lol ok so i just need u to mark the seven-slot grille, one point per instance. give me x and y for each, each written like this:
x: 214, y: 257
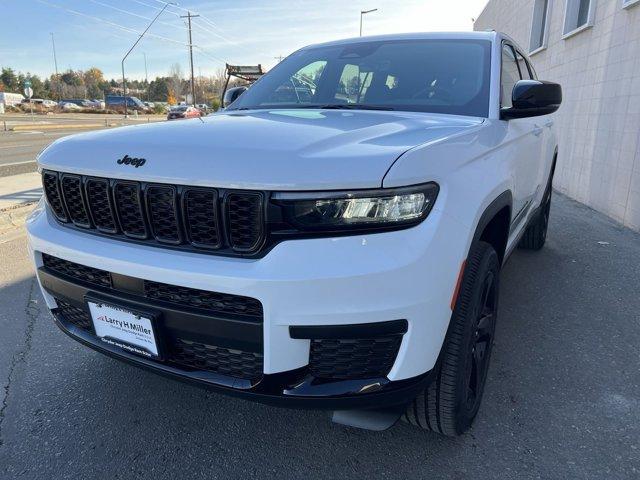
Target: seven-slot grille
x: 182, y: 216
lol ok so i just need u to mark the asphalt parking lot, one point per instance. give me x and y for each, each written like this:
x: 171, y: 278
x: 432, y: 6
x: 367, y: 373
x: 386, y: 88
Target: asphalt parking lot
x: 562, y: 399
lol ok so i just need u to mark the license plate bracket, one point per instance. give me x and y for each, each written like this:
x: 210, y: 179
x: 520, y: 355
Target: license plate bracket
x: 131, y: 329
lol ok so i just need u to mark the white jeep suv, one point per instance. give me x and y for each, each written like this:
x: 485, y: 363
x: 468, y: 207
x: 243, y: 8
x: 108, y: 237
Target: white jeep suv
x: 332, y: 240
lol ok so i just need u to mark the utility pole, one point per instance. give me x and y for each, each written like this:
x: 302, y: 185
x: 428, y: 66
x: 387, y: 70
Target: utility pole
x: 55, y: 62
x: 279, y: 58
x: 364, y: 12
x: 124, y: 80
x: 146, y: 75
x: 189, y: 16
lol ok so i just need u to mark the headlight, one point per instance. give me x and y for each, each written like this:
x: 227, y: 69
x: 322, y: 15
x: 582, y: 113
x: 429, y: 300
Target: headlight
x: 358, y: 209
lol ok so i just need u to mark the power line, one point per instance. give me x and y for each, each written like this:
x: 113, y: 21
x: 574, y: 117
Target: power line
x: 217, y: 59
x: 207, y: 21
x: 204, y: 53
x: 107, y: 22
x: 127, y: 12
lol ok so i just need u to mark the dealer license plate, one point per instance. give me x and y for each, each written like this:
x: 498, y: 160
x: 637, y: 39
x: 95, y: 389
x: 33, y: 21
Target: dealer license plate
x: 122, y: 328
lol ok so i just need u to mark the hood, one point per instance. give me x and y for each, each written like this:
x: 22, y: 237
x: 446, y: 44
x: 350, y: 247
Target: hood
x: 259, y: 149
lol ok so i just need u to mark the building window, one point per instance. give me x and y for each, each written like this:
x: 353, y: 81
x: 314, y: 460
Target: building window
x: 578, y: 16
x: 629, y: 3
x: 540, y: 25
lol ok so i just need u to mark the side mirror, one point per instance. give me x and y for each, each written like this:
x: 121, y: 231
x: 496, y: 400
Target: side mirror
x: 232, y: 95
x: 532, y: 98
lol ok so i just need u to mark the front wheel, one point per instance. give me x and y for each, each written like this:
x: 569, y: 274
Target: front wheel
x: 451, y: 401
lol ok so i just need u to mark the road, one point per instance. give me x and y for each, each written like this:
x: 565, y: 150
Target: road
x: 562, y: 398
x: 18, y: 149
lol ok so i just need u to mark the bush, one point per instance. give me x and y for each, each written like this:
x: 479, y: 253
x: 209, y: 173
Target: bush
x: 215, y: 104
x: 158, y: 109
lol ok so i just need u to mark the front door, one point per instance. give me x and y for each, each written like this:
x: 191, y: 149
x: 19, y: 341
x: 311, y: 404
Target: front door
x: 523, y: 140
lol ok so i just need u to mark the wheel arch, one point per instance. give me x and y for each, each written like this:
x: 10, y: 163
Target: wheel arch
x: 493, y: 225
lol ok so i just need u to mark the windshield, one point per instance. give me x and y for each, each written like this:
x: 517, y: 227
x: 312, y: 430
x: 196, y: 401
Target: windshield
x: 430, y: 75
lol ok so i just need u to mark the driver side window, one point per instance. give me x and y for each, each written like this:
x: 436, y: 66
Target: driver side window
x: 510, y: 75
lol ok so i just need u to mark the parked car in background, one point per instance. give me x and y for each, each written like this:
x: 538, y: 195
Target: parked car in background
x: 183, y: 111
x: 117, y: 102
x: 39, y: 104
x: 80, y: 102
x: 231, y: 95
x: 97, y: 103
x: 69, y: 106
x: 150, y: 105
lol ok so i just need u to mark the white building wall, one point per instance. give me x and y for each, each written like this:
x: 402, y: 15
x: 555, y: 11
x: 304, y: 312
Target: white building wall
x: 599, y: 120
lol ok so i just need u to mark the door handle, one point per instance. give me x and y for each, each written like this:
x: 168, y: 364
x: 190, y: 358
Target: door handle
x: 537, y: 131
x: 549, y: 124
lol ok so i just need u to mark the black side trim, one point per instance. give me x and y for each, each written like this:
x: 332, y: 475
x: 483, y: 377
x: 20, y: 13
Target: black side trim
x: 352, y: 331
x: 520, y: 215
x: 505, y: 199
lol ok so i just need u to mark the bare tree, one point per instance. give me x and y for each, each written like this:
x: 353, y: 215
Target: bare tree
x: 176, y: 80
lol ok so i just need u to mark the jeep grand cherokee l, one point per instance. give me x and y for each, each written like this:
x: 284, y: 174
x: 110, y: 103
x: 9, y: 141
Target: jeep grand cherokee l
x: 332, y: 240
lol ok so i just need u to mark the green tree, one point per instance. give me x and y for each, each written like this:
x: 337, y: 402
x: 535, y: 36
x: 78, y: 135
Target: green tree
x: 10, y: 80
x: 159, y: 89
x: 39, y: 90
x: 94, y: 81
x: 72, y: 78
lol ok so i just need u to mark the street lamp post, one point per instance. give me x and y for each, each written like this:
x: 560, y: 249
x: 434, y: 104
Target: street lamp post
x: 55, y: 63
x: 146, y: 75
x: 364, y: 12
x: 124, y: 81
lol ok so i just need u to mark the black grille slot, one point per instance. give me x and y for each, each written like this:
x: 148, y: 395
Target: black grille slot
x: 100, y: 205
x: 77, y: 316
x: 225, y: 361
x: 129, y: 207
x: 245, y: 219
x: 76, y: 271
x: 344, y: 359
x: 213, y: 302
x: 163, y: 214
x: 229, y: 222
x: 201, y: 217
x: 74, y: 200
x: 51, y: 189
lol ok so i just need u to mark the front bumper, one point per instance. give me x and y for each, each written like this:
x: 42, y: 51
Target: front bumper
x: 359, y: 280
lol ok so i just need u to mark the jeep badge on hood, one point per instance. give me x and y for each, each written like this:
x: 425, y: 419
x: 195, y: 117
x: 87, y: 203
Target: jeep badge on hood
x: 127, y: 160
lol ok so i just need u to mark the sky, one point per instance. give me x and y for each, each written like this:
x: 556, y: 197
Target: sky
x: 244, y: 32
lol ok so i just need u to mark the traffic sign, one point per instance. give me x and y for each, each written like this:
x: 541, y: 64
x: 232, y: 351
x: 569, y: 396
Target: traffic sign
x: 28, y: 92
x: 27, y: 83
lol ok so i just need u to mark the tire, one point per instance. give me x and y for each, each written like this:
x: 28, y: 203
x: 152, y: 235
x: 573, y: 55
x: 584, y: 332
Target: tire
x: 450, y: 403
x: 535, y: 235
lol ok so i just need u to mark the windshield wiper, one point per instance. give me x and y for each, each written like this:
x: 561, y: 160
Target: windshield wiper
x: 347, y: 106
